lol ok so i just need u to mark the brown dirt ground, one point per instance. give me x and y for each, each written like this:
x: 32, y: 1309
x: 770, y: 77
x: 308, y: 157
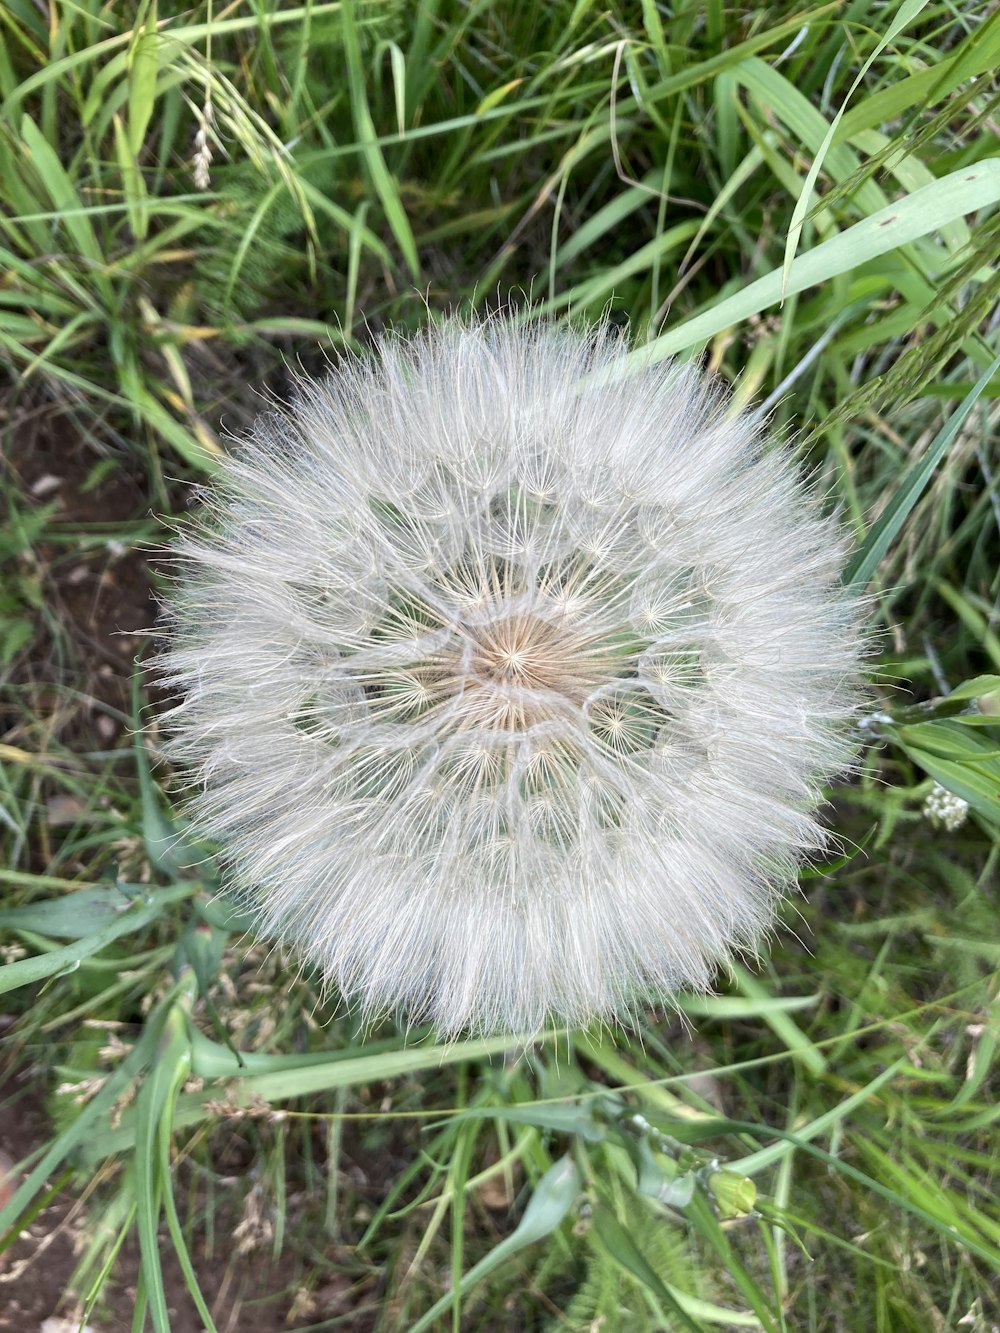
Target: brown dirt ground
x: 97, y: 599
x: 245, y: 1293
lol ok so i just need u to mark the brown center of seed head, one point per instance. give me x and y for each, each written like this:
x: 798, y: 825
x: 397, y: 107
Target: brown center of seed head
x: 524, y: 670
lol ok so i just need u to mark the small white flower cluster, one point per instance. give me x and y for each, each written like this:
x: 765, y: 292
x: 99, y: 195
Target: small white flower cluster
x: 944, y: 809
x: 512, y: 679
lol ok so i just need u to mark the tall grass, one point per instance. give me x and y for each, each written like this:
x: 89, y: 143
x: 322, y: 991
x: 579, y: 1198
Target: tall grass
x: 191, y: 200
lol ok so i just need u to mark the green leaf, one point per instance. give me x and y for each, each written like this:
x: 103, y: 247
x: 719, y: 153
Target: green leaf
x: 959, y: 759
x: 769, y: 36
x: 143, y: 67
x: 67, y: 959
x: 134, y: 185
x: 760, y: 1005
x: 976, y: 688
x: 277, y: 1078
x: 323, y: 1074
x: 657, y: 1175
x: 73, y: 916
x: 62, y: 192
x: 779, y: 96
x: 182, y: 35
x: 552, y: 1199
x: 15, y: 633
x: 915, y: 215
x: 783, y: 1027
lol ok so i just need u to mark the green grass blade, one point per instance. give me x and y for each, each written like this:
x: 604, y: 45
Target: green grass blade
x: 905, y: 15
x: 864, y: 564
x: 63, y: 194
x: 551, y: 1200
x: 918, y: 214
x: 27, y: 970
x: 154, y: 1111
x: 385, y: 186
x: 978, y: 54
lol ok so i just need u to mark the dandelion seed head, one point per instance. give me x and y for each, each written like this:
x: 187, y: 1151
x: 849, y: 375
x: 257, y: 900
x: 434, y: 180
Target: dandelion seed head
x: 509, y: 682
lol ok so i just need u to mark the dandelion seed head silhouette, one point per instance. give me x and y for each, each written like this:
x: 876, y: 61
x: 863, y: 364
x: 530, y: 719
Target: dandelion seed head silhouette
x: 509, y: 681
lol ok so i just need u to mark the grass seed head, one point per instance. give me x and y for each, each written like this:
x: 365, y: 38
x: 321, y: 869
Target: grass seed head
x: 510, y: 681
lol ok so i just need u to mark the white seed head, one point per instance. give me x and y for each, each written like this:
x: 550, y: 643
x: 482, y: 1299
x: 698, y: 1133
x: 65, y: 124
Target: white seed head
x: 510, y: 682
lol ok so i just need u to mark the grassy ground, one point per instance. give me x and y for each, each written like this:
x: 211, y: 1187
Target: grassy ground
x: 192, y: 200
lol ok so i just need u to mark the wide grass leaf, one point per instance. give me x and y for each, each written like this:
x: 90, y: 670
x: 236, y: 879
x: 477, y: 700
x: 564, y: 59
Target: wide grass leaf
x: 918, y: 214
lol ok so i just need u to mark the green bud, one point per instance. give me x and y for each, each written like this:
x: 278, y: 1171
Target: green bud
x: 734, y: 1195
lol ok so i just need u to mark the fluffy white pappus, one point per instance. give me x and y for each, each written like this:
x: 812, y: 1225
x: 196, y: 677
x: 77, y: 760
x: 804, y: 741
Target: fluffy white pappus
x: 510, y: 680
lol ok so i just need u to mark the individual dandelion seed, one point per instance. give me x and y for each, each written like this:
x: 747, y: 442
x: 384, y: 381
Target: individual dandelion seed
x: 510, y: 681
